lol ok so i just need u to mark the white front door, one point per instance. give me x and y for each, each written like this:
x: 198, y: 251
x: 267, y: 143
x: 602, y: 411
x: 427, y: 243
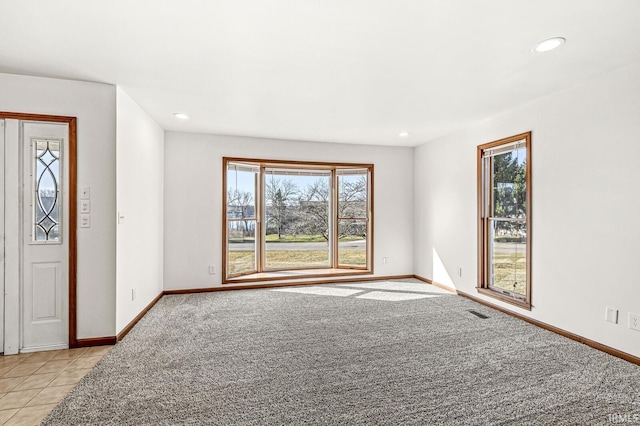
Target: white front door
x: 37, y: 236
x: 45, y: 289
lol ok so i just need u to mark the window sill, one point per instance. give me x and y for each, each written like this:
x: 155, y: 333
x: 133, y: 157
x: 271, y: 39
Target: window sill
x: 504, y: 298
x: 297, y: 274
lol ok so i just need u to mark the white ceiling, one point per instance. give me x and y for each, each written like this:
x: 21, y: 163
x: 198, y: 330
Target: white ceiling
x: 354, y: 71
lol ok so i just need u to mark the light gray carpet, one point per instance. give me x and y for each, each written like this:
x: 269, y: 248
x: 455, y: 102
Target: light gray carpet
x: 263, y: 357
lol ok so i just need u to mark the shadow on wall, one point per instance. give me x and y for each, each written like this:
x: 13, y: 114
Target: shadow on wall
x: 440, y: 274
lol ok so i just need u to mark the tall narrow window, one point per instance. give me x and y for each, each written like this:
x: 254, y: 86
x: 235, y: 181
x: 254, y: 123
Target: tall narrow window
x: 293, y: 219
x: 353, y: 217
x: 504, y: 194
x: 242, y: 219
x: 47, y: 195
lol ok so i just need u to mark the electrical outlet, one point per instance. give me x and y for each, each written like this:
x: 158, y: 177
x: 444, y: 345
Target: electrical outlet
x: 611, y: 315
x: 384, y: 260
x: 460, y: 271
x: 133, y: 294
x: 634, y: 321
x: 212, y: 269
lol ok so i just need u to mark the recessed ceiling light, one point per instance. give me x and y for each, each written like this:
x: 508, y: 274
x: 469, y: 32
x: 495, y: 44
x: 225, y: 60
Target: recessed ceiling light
x: 180, y: 115
x: 548, y: 44
x: 403, y: 134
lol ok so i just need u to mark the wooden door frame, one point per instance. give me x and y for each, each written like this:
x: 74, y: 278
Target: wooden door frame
x: 73, y: 187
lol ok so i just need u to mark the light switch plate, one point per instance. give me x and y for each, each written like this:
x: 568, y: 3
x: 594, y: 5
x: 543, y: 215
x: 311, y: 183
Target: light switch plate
x: 85, y: 194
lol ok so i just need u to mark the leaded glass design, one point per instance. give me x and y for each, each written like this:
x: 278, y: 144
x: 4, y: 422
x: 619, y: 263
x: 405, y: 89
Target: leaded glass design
x: 47, y: 187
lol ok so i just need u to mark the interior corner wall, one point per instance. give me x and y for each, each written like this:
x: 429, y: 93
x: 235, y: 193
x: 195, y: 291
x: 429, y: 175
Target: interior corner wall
x: 193, y: 200
x: 140, y: 175
x: 94, y: 105
x: 585, y: 183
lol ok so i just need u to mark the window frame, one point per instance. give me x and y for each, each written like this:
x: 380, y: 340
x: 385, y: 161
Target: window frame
x: 338, y: 218
x: 262, y: 272
x: 266, y: 170
x: 256, y: 218
x: 484, y: 252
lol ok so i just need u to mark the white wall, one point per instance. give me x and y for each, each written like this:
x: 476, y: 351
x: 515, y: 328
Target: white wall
x: 585, y: 186
x: 95, y: 107
x: 193, y: 200
x: 140, y: 171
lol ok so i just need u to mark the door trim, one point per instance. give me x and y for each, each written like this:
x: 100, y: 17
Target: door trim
x: 73, y: 188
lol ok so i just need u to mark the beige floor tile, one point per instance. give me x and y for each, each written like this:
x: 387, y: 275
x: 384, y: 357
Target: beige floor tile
x: 36, y: 381
x: 7, y: 414
x: 51, y: 395
x: 17, y: 399
x: 69, y: 353
x: 7, y: 385
x: 30, y: 416
x: 5, y: 368
x: 84, y: 362
x: 97, y: 351
x: 9, y: 361
x: 25, y: 356
x: 41, y: 356
x: 32, y: 384
x: 69, y: 377
x: 54, y: 366
x: 23, y: 369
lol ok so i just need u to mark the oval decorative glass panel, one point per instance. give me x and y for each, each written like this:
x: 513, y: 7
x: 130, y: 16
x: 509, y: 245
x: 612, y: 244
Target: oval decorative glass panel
x: 46, y: 203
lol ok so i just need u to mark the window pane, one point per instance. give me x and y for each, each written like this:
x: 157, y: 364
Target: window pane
x: 241, y: 186
x: 352, y: 194
x: 46, y: 190
x: 510, y: 184
x: 297, y: 206
x: 352, y: 243
x: 508, y: 256
x: 241, y: 240
x: 241, y: 218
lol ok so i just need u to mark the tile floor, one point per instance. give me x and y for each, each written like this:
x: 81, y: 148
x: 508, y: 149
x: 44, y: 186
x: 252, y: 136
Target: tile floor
x: 31, y: 385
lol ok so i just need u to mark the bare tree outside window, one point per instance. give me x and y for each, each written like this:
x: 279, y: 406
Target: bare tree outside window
x: 281, y: 197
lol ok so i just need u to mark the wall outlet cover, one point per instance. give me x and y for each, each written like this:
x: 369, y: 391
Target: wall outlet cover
x: 634, y: 321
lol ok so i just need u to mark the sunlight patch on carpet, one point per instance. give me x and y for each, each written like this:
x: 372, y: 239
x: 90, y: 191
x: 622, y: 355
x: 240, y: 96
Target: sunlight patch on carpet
x: 393, y: 297
x: 397, y: 286
x: 321, y: 291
